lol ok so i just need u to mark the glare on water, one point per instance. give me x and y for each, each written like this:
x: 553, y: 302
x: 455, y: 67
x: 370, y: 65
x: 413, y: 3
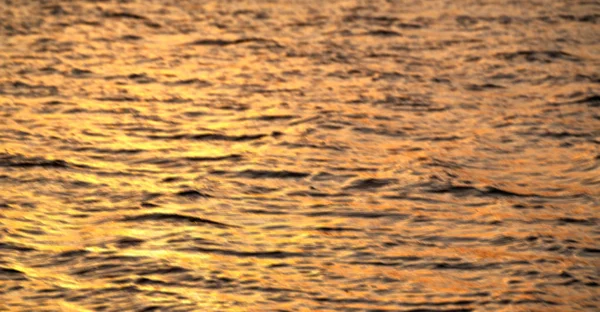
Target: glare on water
x: 299, y: 155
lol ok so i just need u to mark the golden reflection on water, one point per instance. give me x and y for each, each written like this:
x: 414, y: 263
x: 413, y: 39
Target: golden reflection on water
x: 299, y: 156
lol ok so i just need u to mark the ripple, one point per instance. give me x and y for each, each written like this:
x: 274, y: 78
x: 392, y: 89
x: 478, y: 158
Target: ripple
x: 270, y: 174
x: 210, y: 137
x: 19, y: 161
x: 173, y: 217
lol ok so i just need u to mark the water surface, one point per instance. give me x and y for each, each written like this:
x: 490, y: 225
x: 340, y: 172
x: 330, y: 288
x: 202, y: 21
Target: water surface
x: 299, y: 155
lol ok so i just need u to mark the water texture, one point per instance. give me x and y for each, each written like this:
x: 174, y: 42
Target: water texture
x: 300, y: 155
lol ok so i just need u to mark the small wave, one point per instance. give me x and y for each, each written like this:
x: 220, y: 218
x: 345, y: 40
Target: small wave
x: 369, y: 184
x: 9, y: 246
x: 192, y: 194
x: 272, y: 174
x: 539, y: 56
x: 7, y: 160
x: 223, y: 42
x: 11, y: 274
x: 173, y: 217
x: 111, y: 14
x: 188, y: 82
x: 276, y: 254
x: 232, y: 157
x: 21, y: 89
x: 383, y: 33
x: 210, y: 137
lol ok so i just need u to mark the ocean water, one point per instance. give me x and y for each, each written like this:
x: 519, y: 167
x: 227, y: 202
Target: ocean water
x: 300, y: 155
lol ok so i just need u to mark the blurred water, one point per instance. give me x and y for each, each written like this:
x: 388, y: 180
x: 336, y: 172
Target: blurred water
x: 299, y: 155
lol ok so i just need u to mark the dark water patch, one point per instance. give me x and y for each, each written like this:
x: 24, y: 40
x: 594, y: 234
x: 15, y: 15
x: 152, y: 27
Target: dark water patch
x: 447, y: 239
x: 131, y: 37
x: 73, y: 253
x: 271, y: 117
x: 385, y: 132
x: 383, y: 33
x: 152, y: 24
x: 163, y: 270
x: 537, y: 301
x: 377, y: 263
x: 194, y: 114
x: 141, y: 78
x: 119, y: 98
x: 22, y: 89
x: 13, y: 247
x: 466, y: 21
x: 173, y: 217
x: 264, y: 212
x: 438, y: 138
x: 171, y: 179
x: 370, y: 184
x: 483, y: 87
x: 275, y: 290
x: 19, y: 161
x: 503, y: 240
x: 223, y: 42
x: 454, y: 189
x: 104, y: 111
x: 109, y: 151
x: 11, y: 274
x: 592, y: 100
x: 440, y: 303
x: 370, y: 19
x: 590, y: 252
x: 402, y: 103
x: 489, y: 191
x: 232, y: 157
x: 494, y: 191
x: 151, y: 308
x: 326, y: 176
x: 438, y: 310
x: 586, y: 18
x: 563, y: 134
x: 192, y: 194
x: 129, y: 242
x: 305, y: 120
x: 87, y: 22
x: 539, y: 56
x: 189, y: 82
x: 276, y: 254
x: 337, y: 229
x: 262, y: 90
x: 272, y: 174
x: 314, y: 194
x: 125, y: 15
x: 78, y: 72
x: 587, y: 78
x: 389, y: 76
x: 409, y: 25
x: 342, y: 300
x: 256, y: 189
x: 571, y: 220
x: 160, y: 161
x: 210, y: 137
x: 149, y: 281
x: 357, y: 214
x: 466, y: 266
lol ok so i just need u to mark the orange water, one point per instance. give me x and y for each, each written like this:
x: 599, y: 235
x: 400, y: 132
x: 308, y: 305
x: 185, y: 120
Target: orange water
x: 299, y: 155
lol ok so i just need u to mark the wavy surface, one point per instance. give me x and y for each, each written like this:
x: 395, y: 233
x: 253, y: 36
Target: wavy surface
x: 299, y: 155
